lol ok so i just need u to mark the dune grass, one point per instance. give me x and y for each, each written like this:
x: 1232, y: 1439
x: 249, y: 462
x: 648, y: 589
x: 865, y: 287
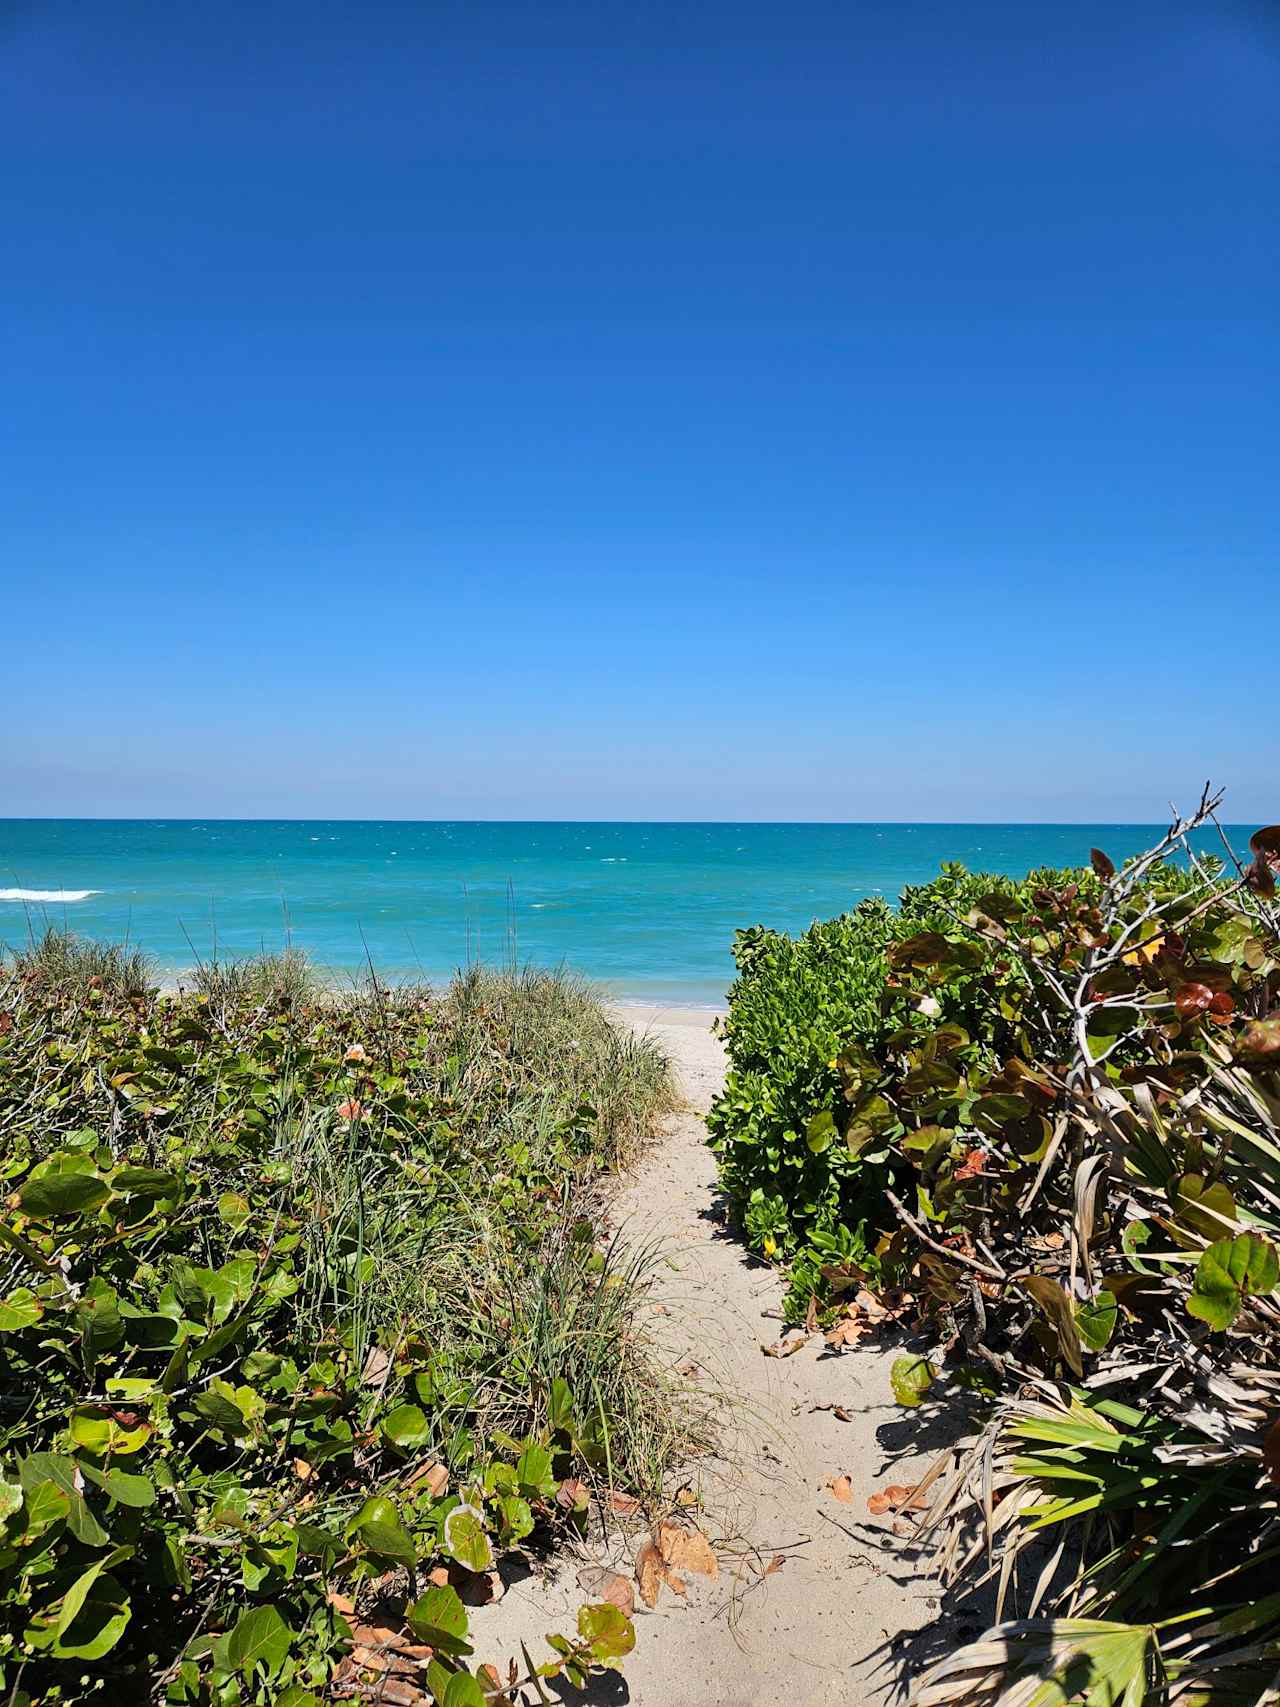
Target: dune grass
x: 384, y: 1198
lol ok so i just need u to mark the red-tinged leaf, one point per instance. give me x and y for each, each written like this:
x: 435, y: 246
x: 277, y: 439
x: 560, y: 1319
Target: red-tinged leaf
x: 1222, y: 1004
x: 601, y: 1583
x: 1260, y: 877
x: 572, y: 1494
x: 1193, y: 999
x: 1261, y: 1036
x: 1104, y: 867
x: 895, y: 1498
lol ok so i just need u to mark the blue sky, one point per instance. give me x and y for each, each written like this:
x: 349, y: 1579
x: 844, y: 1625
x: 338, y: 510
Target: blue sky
x: 829, y: 410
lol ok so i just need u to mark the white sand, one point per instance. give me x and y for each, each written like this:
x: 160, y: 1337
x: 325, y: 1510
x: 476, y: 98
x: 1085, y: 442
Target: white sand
x: 815, y: 1630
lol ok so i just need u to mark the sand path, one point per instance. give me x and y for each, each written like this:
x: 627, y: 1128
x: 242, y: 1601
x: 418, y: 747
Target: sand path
x: 814, y: 1630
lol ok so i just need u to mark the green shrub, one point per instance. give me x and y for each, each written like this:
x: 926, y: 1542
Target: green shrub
x: 808, y: 1017
x: 300, y: 1299
x: 1061, y: 1102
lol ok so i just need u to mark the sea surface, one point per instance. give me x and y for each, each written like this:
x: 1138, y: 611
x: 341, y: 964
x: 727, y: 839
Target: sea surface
x: 647, y: 910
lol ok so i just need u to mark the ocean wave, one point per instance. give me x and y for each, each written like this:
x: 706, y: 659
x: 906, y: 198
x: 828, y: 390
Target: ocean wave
x: 47, y: 894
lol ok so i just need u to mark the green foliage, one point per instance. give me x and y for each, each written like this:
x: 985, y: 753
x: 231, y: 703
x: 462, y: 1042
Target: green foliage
x: 295, y: 1291
x: 804, y: 1130
x: 1048, y: 1112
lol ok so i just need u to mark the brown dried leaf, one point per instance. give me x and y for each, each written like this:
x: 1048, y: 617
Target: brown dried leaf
x: 842, y: 1488
x: 377, y: 1636
x: 651, y: 1570
x: 603, y: 1584
x: 342, y: 1603
x: 895, y: 1498
x: 626, y: 1505
x: 785, y: 1348
x: 848, y: 1330
x: 376, y: 1366
x: 687, y: 1550
x: 775, y: 1564
x: 435, y: 1476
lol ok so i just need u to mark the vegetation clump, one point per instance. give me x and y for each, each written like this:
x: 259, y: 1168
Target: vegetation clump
x: 1044, y: 1139
x: 305, y: 1322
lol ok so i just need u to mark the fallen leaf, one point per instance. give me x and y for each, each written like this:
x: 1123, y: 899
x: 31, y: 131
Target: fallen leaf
x: 842, y: 1488
x: 375, y: 1365
x: 848, y: 1331
x: 895, y: 1498
x: 603, y: 1584
x: 626, y: 1505
x: 651, y: 1569
x: 837, y: 1411
x: 435, y: 1476
x: 784, y: 1348
x: 687, y: 1550
x: 439, y: 1577
x: 376, y: 1636
x: 302, y: 1470
x: 342, y: 1603
x: 775, y: 1564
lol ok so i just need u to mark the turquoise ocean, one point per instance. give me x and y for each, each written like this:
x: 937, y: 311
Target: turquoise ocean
x: 647, y: 910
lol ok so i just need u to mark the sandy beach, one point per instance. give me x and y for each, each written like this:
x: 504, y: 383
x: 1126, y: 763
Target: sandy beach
x: 815, y: 1629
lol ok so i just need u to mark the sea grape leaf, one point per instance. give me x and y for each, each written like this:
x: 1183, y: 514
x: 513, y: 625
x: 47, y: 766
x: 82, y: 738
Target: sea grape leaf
x: 377, y: 1525
x: 95, y: 1612
x: 1096, y: 1320
x: 1228, y: 1272
x: 51, y: 1470
x: 101, y: 1324
x: 439, y: 1619
x: 991, y: 1112
x: 820, y: 1131
x: 1057, y: 1306
x: 21, y: 1309
x: 64, y: 1184
x: 465, y: 1539
x: 406, y: 1425
x: 533, y: 1470
x: 463, y: 1690
x: 608, y: 1629
x: 911, y: 1378
x: 136, y: 1491
x: 145, y: 1182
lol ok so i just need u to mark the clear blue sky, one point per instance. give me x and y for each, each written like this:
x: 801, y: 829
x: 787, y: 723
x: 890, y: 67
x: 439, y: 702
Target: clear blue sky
x: 820, y: 410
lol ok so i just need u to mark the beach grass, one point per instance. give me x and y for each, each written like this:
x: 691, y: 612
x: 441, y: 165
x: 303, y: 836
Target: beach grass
x: 233, y: 1195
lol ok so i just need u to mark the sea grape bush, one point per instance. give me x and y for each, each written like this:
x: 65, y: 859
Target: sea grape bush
x: 802, y: 1130
x: 254, y: 1365
x: 1055, y: 1111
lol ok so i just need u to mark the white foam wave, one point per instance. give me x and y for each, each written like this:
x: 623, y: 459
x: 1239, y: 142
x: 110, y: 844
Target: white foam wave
x: 47, y: 894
